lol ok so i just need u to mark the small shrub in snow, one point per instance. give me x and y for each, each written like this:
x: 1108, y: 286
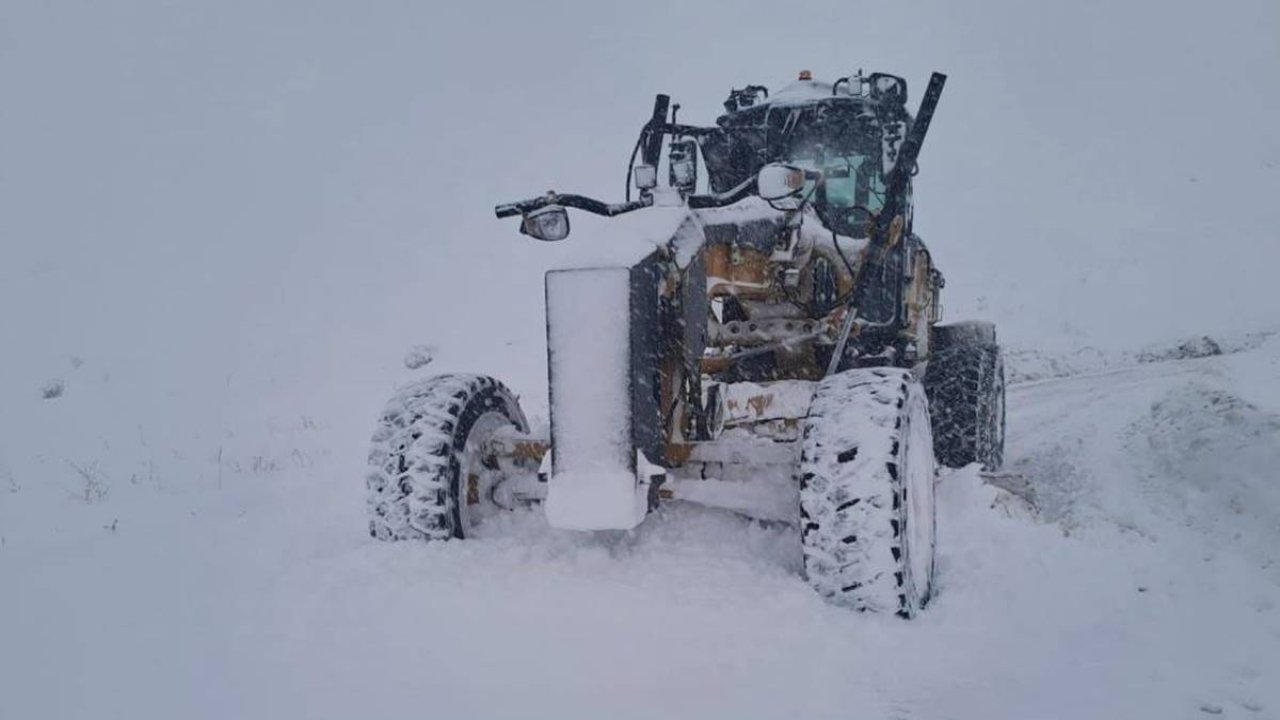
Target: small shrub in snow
x: 52, y: 389
x: 419, y: 356
x: 1203, y: 346
x: 95, y: 488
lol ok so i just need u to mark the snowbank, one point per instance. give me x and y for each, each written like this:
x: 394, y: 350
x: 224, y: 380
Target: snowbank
x: 1031, y: 364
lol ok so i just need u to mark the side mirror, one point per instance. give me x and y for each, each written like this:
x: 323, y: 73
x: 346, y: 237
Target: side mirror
x: 777, y: 181
x: 646, y: 177
x: 889, y: 87
x: 548, y: 224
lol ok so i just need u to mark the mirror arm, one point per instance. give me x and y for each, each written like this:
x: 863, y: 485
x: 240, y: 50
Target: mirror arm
x: 732, y: 195
x: 694, y: 131
x: 580, y: 202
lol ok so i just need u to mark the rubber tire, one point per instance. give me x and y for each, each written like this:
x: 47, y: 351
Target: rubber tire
x: 857, y: 518
x: 414, y: 478
x: 968, y: 332
x: 966, y: 397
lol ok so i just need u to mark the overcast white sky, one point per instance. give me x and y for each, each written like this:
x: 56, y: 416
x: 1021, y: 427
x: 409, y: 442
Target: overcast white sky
x: 296, y: 191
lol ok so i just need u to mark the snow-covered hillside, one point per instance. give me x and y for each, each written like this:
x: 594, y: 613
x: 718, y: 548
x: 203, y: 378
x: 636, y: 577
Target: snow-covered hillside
x: 1148, y: 587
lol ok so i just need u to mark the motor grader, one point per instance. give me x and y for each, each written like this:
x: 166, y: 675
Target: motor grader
x: 763, y: 339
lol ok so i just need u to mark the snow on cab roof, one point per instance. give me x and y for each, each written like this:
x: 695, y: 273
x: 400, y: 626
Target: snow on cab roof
x: 806, y: 90
x: 802, y: 91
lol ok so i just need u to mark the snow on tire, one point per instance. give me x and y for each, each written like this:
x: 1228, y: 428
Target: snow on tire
x: 420, y: 484
x: 866, y: 498
x: 966, y: 397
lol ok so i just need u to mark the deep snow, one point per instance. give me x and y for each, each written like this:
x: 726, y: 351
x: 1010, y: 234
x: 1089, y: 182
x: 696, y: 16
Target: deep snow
x: 223, y: 224
x: 1148, y: 587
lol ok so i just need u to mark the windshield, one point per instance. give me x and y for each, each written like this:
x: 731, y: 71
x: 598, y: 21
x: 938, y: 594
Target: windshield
x: 844, y: 141
x: 847, y: 203
x: 838, y: 136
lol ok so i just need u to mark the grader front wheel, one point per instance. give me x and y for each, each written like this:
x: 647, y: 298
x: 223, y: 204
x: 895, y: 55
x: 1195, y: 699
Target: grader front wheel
x: 426, y: 480
x: 866, y: 499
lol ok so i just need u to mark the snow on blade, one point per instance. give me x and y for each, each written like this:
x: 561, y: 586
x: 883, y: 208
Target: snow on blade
x: 593, y: 484
x: 623, y: 240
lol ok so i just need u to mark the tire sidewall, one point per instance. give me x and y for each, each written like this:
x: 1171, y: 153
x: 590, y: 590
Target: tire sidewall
x: 487, y: 401
x: 918, y: 429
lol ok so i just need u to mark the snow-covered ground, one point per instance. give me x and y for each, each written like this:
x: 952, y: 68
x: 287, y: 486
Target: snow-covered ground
x: 223, y: 223
x: 236, y: 580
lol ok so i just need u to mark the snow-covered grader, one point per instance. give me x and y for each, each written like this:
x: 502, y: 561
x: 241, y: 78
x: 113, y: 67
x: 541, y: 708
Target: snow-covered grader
x: 763, y: 340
